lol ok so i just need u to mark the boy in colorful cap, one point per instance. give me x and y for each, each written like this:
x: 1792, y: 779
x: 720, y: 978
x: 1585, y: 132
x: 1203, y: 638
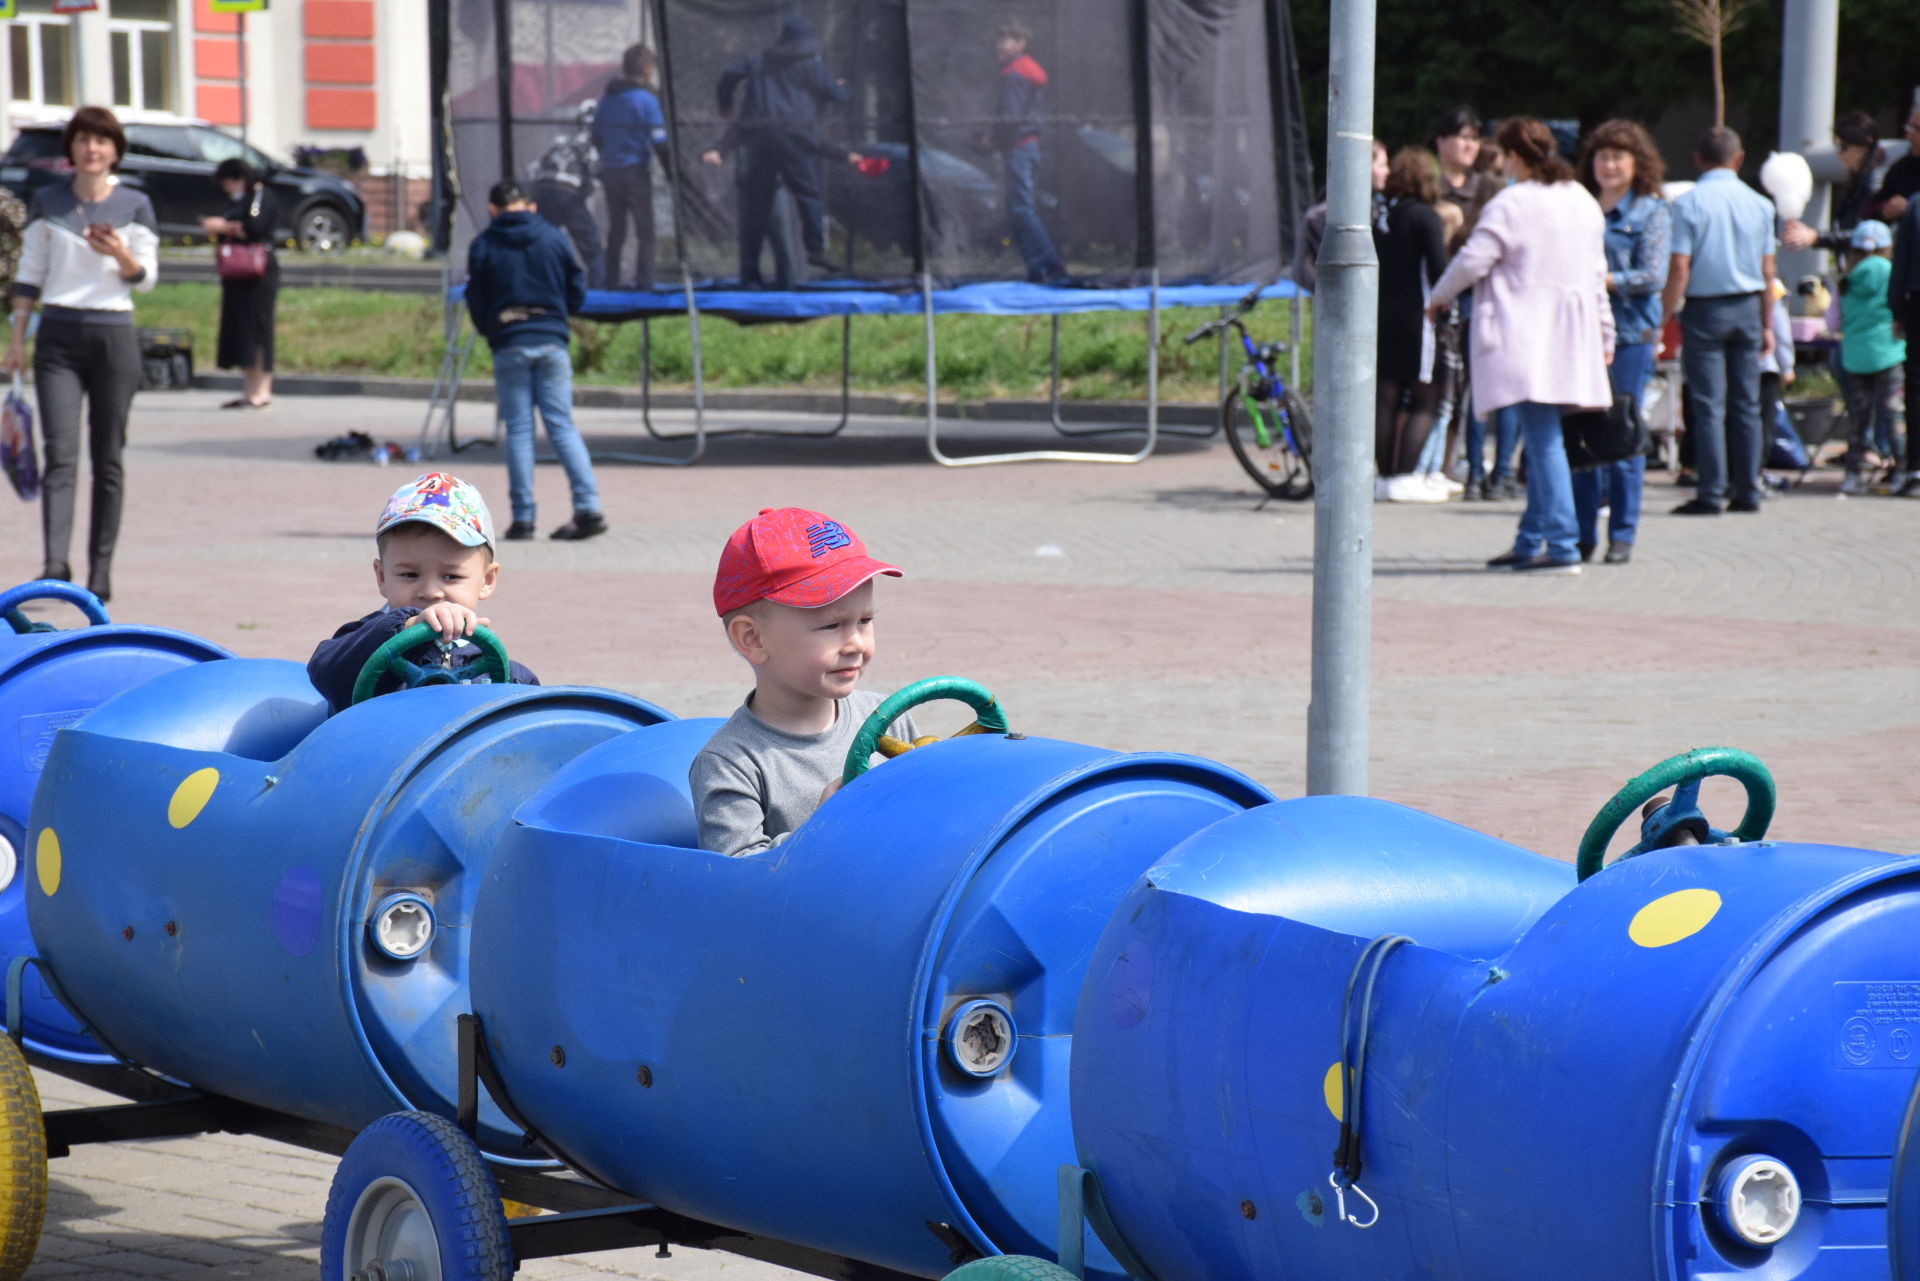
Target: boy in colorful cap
x: 435, y: 566
x: 795, y: 593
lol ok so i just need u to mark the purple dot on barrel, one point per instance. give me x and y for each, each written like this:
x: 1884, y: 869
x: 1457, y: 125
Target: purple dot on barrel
x: 296, y: 910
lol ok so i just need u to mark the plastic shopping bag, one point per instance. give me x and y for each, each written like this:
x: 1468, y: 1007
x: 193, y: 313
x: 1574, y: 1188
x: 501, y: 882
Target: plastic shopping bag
x: 18, y: 457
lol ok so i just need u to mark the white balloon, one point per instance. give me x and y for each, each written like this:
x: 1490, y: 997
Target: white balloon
x: 1789, y: 181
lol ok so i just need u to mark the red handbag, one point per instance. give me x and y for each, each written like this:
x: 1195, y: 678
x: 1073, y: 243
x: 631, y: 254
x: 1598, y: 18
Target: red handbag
x: 242, y: 259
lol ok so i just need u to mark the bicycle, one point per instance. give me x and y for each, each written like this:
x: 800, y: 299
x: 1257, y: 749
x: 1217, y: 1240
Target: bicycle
x: 1267, y: 425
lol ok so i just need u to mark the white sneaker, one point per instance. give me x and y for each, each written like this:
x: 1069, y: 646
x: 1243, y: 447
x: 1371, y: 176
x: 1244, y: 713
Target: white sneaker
x: 1854, y: 483
x: 1411, y: 489
x: 1443, y: 484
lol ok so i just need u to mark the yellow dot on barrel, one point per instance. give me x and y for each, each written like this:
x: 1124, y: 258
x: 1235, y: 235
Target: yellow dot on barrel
x: 195, y: 790
x: 1673, y: 917
x: 46, y: 861
x: 1330, y: 1087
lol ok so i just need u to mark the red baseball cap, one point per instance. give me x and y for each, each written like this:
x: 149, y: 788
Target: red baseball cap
x: 795, y: 557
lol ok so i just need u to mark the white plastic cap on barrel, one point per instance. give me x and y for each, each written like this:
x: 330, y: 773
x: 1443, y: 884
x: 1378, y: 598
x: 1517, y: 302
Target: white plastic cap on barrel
x: 1759, y: 1199
x: 9, y: 861
x: 402, y: 926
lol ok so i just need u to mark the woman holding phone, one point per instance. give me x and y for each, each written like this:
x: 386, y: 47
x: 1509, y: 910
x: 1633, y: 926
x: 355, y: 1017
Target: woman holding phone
x: 89, y: 244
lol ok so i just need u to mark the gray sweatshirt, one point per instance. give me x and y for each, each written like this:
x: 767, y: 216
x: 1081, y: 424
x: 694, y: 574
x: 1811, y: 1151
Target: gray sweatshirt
x: 754, y: 785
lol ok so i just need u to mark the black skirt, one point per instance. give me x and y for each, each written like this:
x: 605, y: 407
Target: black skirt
x: 246, y: 320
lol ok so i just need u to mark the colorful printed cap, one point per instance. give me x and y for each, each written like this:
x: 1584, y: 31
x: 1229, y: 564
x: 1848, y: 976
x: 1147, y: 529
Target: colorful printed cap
x: 447, y: 503
x: 1872, y: 236
x: 792, y: 556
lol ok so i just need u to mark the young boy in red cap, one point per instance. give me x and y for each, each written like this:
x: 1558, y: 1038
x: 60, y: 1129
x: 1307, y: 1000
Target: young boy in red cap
x: 795, y: 593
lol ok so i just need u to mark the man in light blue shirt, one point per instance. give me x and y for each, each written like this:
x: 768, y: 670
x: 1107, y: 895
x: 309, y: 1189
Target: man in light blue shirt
x: 1722, y: 267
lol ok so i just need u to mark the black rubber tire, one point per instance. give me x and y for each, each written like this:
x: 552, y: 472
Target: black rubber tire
x: 23, y: 1163
x: 323, y: 227
x: 1010, y: 1267
x: 1278, y: 470
x: 450, y: 1189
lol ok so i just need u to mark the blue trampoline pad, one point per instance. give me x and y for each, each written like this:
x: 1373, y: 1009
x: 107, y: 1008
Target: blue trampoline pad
x: 999, y: 298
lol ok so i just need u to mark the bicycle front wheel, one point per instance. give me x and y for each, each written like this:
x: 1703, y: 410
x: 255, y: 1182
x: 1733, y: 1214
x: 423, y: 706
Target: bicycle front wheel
x: 1283, y: 466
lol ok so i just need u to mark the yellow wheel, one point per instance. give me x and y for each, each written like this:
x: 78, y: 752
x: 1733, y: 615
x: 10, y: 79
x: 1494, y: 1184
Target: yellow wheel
x: 23, y: 1163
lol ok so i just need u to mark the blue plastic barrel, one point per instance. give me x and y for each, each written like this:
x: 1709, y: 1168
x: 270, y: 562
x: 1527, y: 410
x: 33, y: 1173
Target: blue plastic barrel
x: 261, y: 901
x: 859, y: 1040
x: 1695, y: 1064
x: 48, y: 681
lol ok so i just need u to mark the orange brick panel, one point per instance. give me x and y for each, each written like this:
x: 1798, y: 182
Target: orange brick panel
x: 219, y: 104
x: 339, y: 64
x: 215, y: 58
x: 206, y: 20
x: 342, y: 109
x: 339, y: 19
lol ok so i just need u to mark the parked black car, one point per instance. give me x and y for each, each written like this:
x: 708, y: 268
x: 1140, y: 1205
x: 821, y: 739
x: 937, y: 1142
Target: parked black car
x: 174, y: 164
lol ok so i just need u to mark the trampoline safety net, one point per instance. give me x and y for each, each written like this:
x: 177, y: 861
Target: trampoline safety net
x: 776, y: 144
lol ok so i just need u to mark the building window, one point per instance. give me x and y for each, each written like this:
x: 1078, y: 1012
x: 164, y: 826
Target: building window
x: 141, y: 39
x: 40, y: 51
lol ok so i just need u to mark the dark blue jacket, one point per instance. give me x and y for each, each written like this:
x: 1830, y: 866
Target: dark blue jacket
x: 337, y: 661
x: 1905, y: 279
x: 522, y: 282
x: 784, y: 87
x: 628, y: 125
x: 1019, y: 103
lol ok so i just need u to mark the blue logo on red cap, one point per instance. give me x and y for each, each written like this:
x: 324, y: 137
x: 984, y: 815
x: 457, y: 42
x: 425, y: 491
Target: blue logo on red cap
x: 826, y: 536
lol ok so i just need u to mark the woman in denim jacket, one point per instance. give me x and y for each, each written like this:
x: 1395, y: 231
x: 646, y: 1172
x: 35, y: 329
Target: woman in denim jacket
x: 1620, y: 166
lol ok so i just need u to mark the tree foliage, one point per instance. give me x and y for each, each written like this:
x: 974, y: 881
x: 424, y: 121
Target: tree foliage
x: 1595, y: 60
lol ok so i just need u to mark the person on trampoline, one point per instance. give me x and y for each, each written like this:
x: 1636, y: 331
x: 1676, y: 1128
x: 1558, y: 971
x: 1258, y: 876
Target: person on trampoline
x: 795, y: 593
x: 779, y: 93
x: 1019, y: 115
x: 435, y: 565
x: 562, y: 186
x: 630, y: 131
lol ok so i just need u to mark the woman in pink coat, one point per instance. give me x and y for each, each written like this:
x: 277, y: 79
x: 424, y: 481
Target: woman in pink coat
x: 1542, y: 331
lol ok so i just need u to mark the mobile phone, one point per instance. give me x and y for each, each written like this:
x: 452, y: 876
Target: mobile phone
x: 99, y: 229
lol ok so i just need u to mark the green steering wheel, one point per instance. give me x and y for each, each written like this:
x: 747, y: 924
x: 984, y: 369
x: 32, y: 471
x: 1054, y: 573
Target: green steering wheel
x: 988, y: 718
x: 390, y: 660
x: 1685, y: 772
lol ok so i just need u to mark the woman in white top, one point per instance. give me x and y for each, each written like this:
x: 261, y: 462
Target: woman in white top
x: 89, y: 244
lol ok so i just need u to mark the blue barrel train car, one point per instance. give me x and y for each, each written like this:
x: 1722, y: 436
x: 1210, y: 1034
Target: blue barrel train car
x: 1429, y: 1053
x: 276, y: 905
x: 51, y: 678
x: 1327, y: 1037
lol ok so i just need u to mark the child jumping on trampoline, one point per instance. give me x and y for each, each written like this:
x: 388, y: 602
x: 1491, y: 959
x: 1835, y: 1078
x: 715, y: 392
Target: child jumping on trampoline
x: 795, y: 593
x: 1019, y: 115
x: 435, y: 566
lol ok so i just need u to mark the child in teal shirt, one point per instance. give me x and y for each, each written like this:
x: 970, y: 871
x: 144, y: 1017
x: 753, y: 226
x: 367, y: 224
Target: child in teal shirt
x: 1870, y: 352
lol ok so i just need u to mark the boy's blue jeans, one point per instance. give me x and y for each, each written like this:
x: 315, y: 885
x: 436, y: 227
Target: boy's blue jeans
x: 522, y: 378
x: 1023, y: 217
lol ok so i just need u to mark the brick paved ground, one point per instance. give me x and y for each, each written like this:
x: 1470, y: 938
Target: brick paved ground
x: 1132, y: 607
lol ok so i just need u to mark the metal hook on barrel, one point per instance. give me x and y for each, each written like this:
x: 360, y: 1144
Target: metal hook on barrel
x: 1340, y: 1190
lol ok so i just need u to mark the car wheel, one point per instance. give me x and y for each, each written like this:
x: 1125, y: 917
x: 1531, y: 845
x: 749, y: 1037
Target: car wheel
x: 324, y: 229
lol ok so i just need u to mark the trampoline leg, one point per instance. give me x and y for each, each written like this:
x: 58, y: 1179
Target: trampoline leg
x: 443, y: 401
x: 646, y: 378
x: 699, y: 390
x: 1043, y: 455
x: 1060, y: 426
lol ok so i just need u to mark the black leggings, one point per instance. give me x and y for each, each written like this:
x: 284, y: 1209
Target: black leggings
x: 100, y: 364
x: 1403, y: 418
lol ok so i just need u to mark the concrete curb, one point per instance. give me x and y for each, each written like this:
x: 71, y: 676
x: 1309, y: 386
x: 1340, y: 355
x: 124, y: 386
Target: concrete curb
x: 1130, y: 412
